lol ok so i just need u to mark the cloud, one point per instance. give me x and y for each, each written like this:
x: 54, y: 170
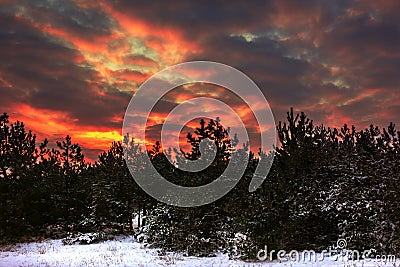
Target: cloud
x: 82, y: 60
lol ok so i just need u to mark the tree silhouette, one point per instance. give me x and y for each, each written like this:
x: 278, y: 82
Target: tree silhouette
x: 72, y: 163
x: 324, y: 183
x: 17, y: 149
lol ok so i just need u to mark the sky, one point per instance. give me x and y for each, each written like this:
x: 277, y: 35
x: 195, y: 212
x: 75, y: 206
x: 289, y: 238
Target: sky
x: 71, y: 67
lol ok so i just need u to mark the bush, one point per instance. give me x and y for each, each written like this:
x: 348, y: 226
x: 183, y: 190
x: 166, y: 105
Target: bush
x: 85, y: 239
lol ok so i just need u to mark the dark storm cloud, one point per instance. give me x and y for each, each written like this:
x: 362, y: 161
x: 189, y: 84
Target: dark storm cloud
x: 200, y: 18
x: 44, y: 74
x: 335, y: 60
x: 368, y: 48
x: 264, y: 60
x: 64, y: 14
x: 364, y: 46
x: 357, y: 37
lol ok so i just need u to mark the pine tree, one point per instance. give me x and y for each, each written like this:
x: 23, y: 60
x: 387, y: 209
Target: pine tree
x: 202, y: 230
x: 18, y: 157
x: 72, y: 163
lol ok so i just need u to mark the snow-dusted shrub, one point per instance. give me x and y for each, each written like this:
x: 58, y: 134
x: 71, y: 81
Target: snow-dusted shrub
x: 192, y: 232
x: 85, y: 239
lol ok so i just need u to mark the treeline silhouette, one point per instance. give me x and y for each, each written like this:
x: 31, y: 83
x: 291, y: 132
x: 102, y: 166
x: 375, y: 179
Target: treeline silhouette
x: 324, y: 184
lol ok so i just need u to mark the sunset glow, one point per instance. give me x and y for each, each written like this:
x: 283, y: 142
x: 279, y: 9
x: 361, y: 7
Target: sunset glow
x: 72, y: 67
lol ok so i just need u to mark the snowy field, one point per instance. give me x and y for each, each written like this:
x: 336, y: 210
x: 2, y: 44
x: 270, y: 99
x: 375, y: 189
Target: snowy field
x: 125, y: 251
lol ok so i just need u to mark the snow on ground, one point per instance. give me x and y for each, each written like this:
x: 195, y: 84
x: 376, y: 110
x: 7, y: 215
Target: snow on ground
x: 125, y: 251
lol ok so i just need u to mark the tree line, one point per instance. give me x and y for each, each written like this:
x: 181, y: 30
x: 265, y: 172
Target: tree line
x: 324, y: 184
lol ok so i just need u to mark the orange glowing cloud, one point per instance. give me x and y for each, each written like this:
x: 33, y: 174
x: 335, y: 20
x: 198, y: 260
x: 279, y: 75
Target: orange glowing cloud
x: 191, y: 91
x: 59, y: 124
x: 64, y: 72
x: 168, y: 42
